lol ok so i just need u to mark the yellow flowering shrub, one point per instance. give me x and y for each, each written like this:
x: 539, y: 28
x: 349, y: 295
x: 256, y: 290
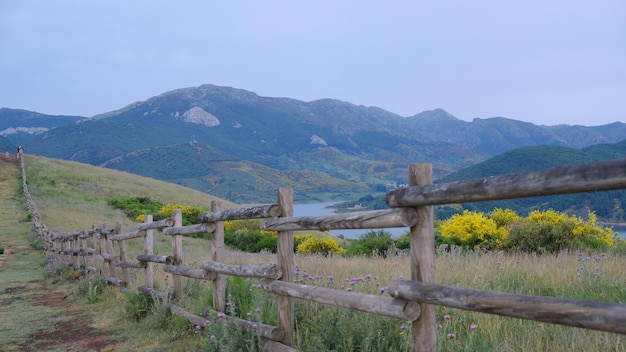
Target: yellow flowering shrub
x: 166, y: 210
x: 325, y: 246
x: 550, y: 231
x: 247, y: 224
x: 471, y: 229
x: 504, y: 217
x: 269, y: 233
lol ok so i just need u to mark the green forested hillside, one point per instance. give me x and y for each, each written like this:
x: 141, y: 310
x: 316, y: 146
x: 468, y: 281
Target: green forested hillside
x: 607, y: 204
x: 7, y: 146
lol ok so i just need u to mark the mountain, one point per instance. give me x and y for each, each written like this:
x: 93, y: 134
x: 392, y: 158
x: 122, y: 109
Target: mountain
x: 496, y: 135
x: 233, y: 143
x: 14, y: 121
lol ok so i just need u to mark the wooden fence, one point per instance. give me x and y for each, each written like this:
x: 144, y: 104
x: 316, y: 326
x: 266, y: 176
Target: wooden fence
x: 409, y: 300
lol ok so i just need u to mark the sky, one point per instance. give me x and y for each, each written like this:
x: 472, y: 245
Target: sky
x: 544, y: 62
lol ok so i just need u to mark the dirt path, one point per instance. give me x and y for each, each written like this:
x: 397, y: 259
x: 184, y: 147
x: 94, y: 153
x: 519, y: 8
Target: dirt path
x: 34, y: 314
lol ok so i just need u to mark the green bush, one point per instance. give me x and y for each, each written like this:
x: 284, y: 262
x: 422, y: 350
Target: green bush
x: 90, y: 287
x: 372, y: 243
x: 250, y: 241
x: 404, y: 241
x: 1, y: 250
x: 136, y: 206
x: 540, y: 237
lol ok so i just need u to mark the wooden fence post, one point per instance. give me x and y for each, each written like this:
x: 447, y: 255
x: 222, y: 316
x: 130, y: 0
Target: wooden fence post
x: 422, y: 244
x: 97, y: 250
x: 75, y: 251
x: 148, y: 249
x: 123, y: 256
x: 85, y: 252
x: 177, y: 253
x: 217, y: 255
x: 111, y: 253
x: 286, y: 264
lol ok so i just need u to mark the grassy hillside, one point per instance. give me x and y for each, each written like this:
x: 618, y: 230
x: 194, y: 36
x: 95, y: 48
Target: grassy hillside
x: 72, y: 195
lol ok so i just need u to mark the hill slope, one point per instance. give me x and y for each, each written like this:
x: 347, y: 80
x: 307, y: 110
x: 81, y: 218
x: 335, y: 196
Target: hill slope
x: 63, y: 187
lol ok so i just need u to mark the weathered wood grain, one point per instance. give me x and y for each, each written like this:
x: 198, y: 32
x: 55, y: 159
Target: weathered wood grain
x: 269, y: 271
x: 177, y: 253
x: 128, y: 236
x: 189, y: 230
x: 131, y: 265
x: 217, y: 255
x: 286, y: 316
x: 195, y: 320
x: 599, y: 176
x: 358, y: 220
x: 254, y: 212
x: 148, y: 249
x: 585, y: 314
x: 189, y: 272
x: 258, y: 329
x: 375, y: 304
x: 155, y: 224
x: 160, y: 259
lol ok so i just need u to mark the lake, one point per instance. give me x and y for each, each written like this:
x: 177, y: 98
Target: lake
x: 318, y: 209
x: 621, y: 231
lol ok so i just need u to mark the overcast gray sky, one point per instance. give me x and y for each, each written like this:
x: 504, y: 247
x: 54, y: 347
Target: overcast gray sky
x: 542, y: 61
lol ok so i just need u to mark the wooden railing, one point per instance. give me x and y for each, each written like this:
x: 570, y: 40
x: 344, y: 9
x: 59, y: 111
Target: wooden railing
x: 409, y: 300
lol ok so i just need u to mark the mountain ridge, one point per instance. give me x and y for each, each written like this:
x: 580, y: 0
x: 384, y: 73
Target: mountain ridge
x: 212, y: 127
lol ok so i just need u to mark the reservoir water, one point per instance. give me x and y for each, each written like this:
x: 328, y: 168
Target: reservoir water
x: 318, y: 209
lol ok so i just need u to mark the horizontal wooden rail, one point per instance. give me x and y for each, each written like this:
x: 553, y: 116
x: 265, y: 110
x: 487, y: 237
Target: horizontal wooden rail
x: 108, y: 256
x: 158, y: 294
x: 276, y: 346
x: 128, y: 236
x: 189, y: 230
x: 602, y: 316
x: 155, y: 225
x: 599, y: 176
x: 375, y: 304
x: 189, y: 272
x: 106, y: 231
x: 269, y: 271
x: 195, y: 320
x: 161, y: 259
x: 263, y: 330
x: 111, y: 280
x: 65, y: 238
x: 358, y: 220
x: 131, y: 265
x: 254, y: 212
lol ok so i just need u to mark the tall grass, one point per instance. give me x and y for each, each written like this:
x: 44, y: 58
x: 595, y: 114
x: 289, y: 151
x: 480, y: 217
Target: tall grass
x: 577, y: 275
